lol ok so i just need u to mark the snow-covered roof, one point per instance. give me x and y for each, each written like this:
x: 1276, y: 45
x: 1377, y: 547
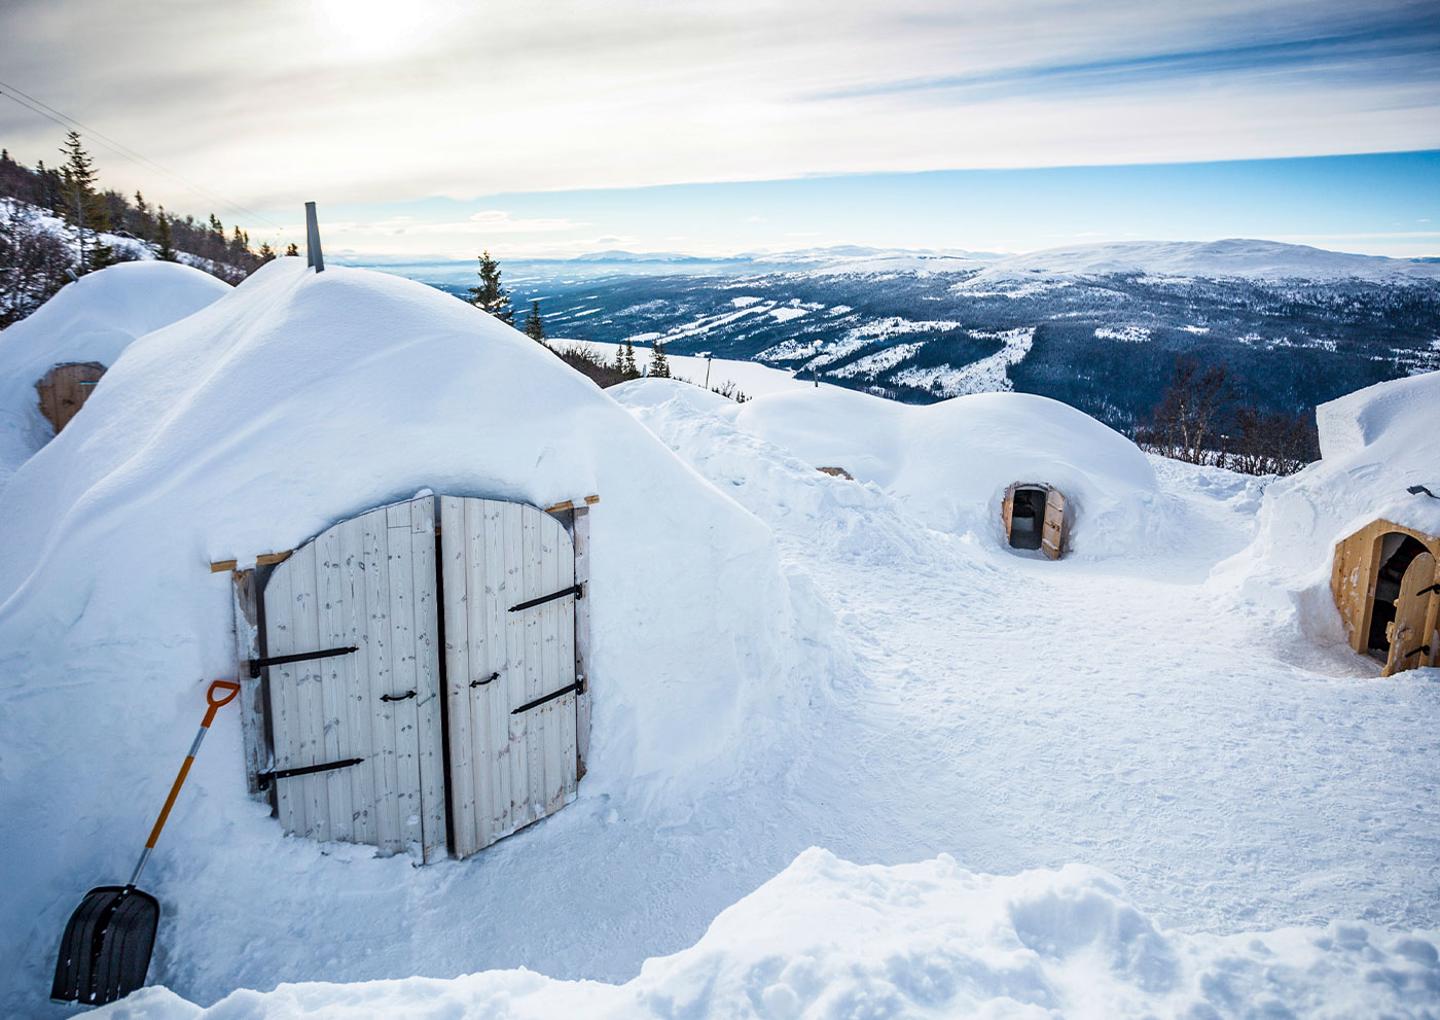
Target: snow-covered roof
x: 93, y: 319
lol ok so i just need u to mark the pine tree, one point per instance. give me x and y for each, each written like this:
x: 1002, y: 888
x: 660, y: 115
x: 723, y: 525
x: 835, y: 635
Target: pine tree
x: 292, y: 250
x: 142, y: 221
x: 165, y: 238
x: 489, y: 295
x: 267, y: 253
x: 534, y: 325
x: 626, y: 361
x: 659, y: 365
x: 80, y: 205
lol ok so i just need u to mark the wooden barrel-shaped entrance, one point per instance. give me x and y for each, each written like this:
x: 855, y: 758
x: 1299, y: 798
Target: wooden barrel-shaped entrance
x: 65, y: 389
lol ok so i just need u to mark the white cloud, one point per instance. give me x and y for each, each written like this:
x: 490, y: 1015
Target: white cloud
x: 274, y: 101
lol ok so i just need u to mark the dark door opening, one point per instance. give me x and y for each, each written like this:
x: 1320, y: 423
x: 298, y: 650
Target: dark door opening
x: 1027, y: 518
x: 1396, y: 553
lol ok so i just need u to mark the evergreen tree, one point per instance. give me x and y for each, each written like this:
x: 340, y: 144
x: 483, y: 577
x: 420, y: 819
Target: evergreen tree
x: 292, y: 250
x: 165, y: 238
x: 489, y: 295
x: 80, y: 207
x: 625, y: 361
x: 267, y: 253
x: 534, y: 325
x: 142, y: 220
x: 49, y: 186
x: 659, y: 366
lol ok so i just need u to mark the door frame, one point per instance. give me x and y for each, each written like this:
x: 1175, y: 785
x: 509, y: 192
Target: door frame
x: 247, y: 595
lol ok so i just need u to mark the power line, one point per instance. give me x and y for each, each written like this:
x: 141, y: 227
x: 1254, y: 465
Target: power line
x: 29, y: 102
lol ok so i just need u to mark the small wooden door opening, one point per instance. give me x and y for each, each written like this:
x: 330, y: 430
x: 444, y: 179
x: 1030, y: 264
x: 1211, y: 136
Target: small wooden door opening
x: 419, y: 677
x: 1397, y: 551
x: 64, y: 390
x: 1027, y: 517
x: 1034, y: 517
x: 1384, y: 582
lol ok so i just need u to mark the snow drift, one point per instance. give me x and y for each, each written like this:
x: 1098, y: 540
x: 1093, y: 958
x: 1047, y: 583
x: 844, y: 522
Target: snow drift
x: 949, y: 463
x: 1375, y: 444
x: 294, y: 401
x: 827, y: 938
x: 93, y: 319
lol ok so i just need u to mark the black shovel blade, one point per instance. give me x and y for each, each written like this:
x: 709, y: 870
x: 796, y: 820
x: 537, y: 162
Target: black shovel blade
x: 105, y: 952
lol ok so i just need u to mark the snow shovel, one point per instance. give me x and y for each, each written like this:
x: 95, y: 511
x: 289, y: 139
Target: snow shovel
x: 105, y: 952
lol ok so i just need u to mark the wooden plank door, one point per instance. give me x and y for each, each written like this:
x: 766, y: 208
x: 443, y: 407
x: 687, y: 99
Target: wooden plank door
x: 1410, y: 644
x: 1052, y: 534
x: 368, y: 583
x: 65, y: 389
x: 509, y: 665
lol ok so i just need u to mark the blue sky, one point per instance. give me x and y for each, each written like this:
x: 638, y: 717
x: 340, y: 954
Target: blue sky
x: 434, y: 127
x: 1386, y: 203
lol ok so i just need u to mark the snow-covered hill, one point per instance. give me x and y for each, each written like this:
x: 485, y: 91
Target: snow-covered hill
x: 1237, y: 258
x: 1099, y: 327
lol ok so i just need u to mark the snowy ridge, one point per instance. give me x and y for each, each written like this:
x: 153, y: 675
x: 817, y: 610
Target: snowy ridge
x: 830, y: 940
x: 1236, y: 258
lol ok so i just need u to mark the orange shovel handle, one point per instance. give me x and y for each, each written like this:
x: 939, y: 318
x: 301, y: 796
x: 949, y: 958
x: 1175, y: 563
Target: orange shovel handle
x: 220, y: 694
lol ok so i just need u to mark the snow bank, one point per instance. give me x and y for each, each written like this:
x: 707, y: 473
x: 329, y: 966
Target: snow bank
x: 950, y: 462
x: 294, y: 401
x: 92, y: 319
x: 830, y: 939
x: 1375, y: 443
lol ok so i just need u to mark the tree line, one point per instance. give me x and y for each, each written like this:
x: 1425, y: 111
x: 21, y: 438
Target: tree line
x: 490, y: 295
x: 36, y: 261
x: 1203, y: 419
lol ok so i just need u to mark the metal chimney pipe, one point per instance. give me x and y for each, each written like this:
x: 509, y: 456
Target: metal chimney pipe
x: 313, y: 255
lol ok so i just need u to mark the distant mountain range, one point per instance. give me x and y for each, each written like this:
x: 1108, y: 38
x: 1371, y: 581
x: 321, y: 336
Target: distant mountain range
x: 1099, y: 326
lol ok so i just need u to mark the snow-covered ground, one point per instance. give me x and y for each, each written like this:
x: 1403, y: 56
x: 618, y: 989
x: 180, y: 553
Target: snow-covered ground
x: 751, y: 378
x: 1159, y: 793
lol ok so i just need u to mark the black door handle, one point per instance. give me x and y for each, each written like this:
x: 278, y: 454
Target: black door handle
x: 397, y: 697
x: 488, y: 679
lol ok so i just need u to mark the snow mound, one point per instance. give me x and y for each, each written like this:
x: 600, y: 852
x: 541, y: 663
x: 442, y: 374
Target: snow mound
x: 855, y: 522
x: 950, y: 462
x: 831, y: 939
x: 1375, y: 444
x: 93, y: 319
x: 1232, y: 258
x: 292, y: 402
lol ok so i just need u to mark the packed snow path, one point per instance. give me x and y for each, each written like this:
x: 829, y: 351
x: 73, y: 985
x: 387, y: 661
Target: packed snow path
x: 1009, y: 711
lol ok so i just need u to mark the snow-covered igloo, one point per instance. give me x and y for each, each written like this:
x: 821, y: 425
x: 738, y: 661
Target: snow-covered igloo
x: 959, y: 463
x: 1342, y: 541
x: 50, y: 361
x: 265, y: 421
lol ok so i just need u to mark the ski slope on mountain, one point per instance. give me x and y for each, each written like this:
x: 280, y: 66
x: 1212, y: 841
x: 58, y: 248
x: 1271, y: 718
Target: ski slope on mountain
x: 93, y: 319
x: 1158, y: 795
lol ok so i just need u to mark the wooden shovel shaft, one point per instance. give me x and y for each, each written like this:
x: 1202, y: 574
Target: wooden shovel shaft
x: 221, y: 693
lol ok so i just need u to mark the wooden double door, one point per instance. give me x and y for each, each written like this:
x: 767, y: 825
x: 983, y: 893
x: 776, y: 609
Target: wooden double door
x: 421, y: 685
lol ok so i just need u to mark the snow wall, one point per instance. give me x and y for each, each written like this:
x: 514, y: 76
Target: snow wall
x: 92, y: 319
x: 830, y: 939
x: 294, y: 401
x: 1375, y: 444
x: 949, y: 463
